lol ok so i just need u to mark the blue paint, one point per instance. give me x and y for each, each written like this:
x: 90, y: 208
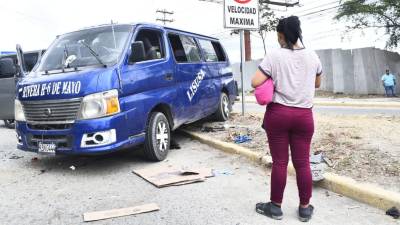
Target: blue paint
x: 141, y: 87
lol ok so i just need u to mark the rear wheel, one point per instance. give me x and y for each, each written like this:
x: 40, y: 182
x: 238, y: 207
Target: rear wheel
x: 9, y: 124
x: 224, y: 108
x: 158, y: 137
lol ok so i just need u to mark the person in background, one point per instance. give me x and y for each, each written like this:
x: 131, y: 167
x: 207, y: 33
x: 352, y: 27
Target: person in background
x: 288, y: 121
x: 389, y: 82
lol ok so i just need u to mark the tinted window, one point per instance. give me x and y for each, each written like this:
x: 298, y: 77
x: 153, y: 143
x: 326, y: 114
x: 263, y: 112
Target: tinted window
x: 153, y: 44
x: 14, y: 58
x: 208, y: 50
x: 177, y: 48
x: 30, y: 60
x: 219, y: 50
x: 192, y: 52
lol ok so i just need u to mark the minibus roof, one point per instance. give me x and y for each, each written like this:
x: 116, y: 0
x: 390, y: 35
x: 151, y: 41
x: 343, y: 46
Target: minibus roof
x: 149, y: 25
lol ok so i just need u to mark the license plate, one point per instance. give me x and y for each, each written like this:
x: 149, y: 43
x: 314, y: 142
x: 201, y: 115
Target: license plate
x: 47, y: 148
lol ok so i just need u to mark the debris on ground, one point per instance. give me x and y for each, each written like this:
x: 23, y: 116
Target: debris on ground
x: 222, y: 172
x: 393, y: 212
x: 34, y: 159
x: 163, y: 176
x: 107, y: 214
x: 363, y: 147
x: 317, y: 165
x: 242, y: 139
x: 212, y: 128
x: 16, y: 157
x: 42, y: 172
x: 72, y: 167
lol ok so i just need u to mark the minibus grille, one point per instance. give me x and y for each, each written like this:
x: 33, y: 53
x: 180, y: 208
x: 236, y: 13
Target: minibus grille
x: 52, y: 111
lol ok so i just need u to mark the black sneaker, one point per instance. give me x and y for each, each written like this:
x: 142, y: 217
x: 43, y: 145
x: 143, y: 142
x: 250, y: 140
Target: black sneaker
x: 305, y: 214
x: 269, y: 209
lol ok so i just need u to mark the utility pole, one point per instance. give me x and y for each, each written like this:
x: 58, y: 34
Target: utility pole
x: 164, y: 19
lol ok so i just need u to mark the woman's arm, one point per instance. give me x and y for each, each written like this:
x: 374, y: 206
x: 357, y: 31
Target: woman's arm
x: 258, y: 79
x: 318, y: 81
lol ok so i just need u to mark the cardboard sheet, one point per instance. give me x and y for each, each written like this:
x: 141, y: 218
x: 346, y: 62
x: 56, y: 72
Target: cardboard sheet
x: 162, y: 176
x: 101, y: 215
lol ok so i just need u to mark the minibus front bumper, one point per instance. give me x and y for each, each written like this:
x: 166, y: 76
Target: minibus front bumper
x: 84, y: 137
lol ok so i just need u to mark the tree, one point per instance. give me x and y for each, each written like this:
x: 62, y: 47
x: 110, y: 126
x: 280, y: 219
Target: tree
x: 268, y: 21
x: 379, y: 14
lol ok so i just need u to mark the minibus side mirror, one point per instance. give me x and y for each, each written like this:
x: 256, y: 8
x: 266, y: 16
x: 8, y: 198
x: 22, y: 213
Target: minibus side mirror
x: 138, y: 54
x: 7, y: 68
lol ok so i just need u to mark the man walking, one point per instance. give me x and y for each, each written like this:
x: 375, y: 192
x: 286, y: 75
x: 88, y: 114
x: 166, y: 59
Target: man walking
x: 389, y: 81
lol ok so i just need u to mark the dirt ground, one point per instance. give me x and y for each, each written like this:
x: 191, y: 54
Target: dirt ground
x: 366, y: 148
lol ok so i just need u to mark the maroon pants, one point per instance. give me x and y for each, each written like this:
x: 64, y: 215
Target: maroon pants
x: 294, y: 127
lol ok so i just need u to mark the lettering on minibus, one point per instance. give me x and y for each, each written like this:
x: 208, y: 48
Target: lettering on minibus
x: 195, y: 85
x: 52, y: 88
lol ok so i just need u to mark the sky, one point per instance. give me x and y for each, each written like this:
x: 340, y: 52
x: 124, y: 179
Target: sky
x: 35, y: 24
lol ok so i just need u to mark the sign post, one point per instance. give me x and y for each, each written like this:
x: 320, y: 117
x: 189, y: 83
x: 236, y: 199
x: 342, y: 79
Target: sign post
x: 241, y: 15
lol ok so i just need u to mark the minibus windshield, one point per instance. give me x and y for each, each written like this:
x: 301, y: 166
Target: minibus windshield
x: 95, y: 46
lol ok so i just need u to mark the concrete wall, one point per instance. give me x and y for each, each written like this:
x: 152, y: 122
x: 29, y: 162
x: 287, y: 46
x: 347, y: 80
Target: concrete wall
x: 356, y: 71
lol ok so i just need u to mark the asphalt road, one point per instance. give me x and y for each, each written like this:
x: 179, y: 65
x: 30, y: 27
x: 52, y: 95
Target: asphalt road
x: 333, y: 110
x: 46, y: 191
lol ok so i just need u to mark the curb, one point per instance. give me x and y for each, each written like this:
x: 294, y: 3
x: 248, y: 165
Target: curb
x: 351, y: 104
x: 362, y: 192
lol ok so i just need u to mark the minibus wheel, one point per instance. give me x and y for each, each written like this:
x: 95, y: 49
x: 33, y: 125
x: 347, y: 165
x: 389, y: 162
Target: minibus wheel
x: 9, y: 124
x: 158, y: 137
x: 224, y: 108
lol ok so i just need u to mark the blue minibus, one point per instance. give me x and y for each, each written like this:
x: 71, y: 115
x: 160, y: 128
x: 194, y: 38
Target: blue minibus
x: 109, y: 87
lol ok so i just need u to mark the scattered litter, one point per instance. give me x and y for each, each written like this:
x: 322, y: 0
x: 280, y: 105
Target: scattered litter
x: 34, y: 159
x: 393, y: 212
x: 317, y: 166
x: 42, y: 172
x: 207, y: 128
x: 72, y: 167
x: 101, y: 215
x: 327, y: 194
x: 222, y: 172
x: 169, y: 176
x: 242, y: 139
x: 317, y: 157
x: 16, y: 157
x: 354, y: 207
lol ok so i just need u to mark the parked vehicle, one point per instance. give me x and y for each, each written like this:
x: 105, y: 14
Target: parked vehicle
x: 104, y: 88
x: 8, y: 78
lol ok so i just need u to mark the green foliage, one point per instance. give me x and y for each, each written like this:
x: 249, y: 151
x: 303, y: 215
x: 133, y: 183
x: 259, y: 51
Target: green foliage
x: 379, y: 14
x: 268, y: 21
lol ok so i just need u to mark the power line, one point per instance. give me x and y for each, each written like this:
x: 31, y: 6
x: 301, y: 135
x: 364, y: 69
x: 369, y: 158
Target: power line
x: 164, y: 19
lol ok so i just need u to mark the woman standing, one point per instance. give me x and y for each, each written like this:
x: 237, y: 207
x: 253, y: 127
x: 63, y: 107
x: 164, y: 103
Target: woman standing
x: 296, y: 72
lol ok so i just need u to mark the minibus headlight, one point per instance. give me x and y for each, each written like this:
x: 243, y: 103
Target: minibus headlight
x: 19, y: 111
x: 100, y: 105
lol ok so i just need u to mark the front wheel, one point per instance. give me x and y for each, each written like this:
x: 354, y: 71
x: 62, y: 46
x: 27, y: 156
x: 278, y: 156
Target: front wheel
x: 224, y: 108
x: 158, y: 137
x: 9, y: 124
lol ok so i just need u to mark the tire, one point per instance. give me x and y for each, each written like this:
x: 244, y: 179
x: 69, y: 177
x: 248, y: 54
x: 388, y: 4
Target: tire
x: 10, y: 124
x: 158, y: 137
x: 224, y: 108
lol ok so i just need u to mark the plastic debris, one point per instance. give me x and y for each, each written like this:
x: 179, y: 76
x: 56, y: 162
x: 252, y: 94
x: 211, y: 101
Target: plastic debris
x: 72, y: 167
x: 242, y: 139
x: 317, y: 166
x: 222, y: 172
x: 16, y: 157
x: 393, y: 212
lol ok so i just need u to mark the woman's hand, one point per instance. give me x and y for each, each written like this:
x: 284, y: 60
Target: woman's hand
x: 258, y: 79
x: 318, y: 81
